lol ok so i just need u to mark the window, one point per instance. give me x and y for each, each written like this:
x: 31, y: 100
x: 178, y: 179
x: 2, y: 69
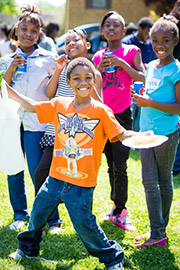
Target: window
x: 104, y: 4
x: 98, y: 3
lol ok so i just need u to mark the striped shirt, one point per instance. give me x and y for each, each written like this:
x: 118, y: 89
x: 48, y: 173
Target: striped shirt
x: 62, y: 90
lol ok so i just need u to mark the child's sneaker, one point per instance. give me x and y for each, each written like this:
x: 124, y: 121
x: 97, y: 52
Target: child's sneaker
x: 54, y: 230
x: 17, y: 255
x: 122, y: 220
x: 16, y: 225
x: 109, y: 216
x: 117, y: 266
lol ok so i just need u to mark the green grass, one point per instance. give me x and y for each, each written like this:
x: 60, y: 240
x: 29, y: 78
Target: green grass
x: 67, y: 247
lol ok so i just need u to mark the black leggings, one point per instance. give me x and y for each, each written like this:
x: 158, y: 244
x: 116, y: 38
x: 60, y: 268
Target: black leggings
x: 117, y: 155
x: 42, y: 170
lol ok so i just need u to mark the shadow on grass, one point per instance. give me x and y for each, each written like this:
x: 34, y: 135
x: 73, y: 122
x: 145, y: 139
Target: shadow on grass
x: 145, y: 258
x: 153, y: 258
x: 66, y: 249
x: 112, y: 232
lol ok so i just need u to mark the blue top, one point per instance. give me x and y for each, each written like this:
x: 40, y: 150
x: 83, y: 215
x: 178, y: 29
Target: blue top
x: 160, y: 86
x: 146, y: 47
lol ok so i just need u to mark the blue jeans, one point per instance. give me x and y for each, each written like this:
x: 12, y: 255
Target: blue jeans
x: 157, y: 166
x: 30, y: 144
x: 78, y: 201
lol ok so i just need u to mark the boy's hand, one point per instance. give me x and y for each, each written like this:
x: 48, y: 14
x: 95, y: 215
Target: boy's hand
x: 61, y: 61
x: 147, y: 133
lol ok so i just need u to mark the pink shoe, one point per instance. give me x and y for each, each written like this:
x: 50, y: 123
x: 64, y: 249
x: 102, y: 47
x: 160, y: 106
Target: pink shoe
x: 161, y: 242
x: 123, y: 221
x: 109, y: 216
x: 146, y: 235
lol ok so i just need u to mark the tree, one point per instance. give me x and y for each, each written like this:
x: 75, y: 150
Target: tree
x: 8, y: 7
x: 162, y: 6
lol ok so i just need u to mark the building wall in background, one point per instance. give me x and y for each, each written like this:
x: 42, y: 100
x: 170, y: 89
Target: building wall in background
x: 78, y: 14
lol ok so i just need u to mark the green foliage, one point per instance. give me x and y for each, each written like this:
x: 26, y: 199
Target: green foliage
x: 67, y: 248
x: 8, y: 7
x: 162, y: 6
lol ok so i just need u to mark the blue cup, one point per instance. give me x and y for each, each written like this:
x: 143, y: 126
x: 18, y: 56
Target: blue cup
x: 112, y: 68
x: 138, y: 86
x: 23, y: 68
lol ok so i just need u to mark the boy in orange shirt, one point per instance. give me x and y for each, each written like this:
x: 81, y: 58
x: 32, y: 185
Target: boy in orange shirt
x: 82, y: 127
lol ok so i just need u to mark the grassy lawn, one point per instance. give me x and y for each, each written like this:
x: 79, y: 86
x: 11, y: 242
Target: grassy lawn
x: 67, y: 247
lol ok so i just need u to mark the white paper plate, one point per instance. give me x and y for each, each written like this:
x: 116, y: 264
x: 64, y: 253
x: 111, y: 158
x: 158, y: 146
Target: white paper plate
x: 158, y: 140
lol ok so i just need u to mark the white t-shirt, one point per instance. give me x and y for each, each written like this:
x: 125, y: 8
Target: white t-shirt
x: 5, y: 48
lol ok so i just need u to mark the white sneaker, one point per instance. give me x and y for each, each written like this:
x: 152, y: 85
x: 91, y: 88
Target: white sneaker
x: 18, y: 224
x: 17, y: 255
x: 117, y: 266
x: 54, y: 230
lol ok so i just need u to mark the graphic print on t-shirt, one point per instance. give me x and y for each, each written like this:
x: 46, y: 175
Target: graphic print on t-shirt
x: 112, y: 79
x: 152, y: 84
x: 74, y: 132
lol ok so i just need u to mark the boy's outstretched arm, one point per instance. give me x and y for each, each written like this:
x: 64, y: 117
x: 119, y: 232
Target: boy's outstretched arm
x: 129, y: 133
x: 26, y: 102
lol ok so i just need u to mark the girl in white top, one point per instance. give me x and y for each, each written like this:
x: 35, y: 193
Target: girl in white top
x: 40, y: 67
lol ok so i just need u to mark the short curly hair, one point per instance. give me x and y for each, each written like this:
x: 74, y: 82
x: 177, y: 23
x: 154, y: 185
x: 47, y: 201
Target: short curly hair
x: 80, y: 61
x: 165, y: 24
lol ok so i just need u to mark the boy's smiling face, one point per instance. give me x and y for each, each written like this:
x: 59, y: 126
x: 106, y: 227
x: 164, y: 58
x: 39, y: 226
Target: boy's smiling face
x: 82, y: 81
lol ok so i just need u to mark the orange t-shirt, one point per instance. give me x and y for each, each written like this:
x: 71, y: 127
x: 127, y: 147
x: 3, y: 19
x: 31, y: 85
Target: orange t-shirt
x: 80, y: 137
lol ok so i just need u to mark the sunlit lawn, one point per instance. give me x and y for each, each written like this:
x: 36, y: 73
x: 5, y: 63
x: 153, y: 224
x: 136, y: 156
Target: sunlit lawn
x: 67, y: 247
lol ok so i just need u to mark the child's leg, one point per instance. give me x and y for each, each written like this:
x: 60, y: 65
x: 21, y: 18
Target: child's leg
x: 165, y: 164
x: 41, y: 173
x: 152, y: 192
x: 33, y: 150
x: 118, y: 165
x: 157, y: 180
x: 45, y: 202
x: 78, y: 201
x: 42, y: 170
x: 17, y: 196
